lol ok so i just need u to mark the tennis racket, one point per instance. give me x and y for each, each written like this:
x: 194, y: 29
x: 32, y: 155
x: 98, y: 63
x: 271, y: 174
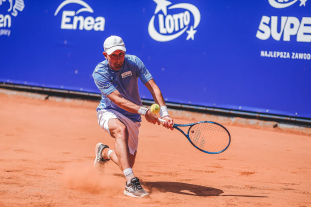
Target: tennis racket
x: 207, y: 136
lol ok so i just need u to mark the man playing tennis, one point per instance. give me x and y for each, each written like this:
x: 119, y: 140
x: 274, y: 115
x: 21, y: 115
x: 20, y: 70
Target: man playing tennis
x: 119, y: 112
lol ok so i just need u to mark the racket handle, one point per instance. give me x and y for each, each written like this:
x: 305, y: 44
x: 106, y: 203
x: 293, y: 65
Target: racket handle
x: 161, y: 121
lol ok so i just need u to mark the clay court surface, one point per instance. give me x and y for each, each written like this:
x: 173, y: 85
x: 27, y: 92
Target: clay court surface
x: 47, y: 154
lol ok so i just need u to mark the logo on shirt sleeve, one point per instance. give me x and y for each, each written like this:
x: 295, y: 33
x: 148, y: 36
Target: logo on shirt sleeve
x: 106, y: 85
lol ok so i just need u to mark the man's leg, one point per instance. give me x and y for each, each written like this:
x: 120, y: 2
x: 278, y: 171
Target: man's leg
x: 121, y: 156
x: 118, y: 131
x: 132, y: 159
x: 115, y: 159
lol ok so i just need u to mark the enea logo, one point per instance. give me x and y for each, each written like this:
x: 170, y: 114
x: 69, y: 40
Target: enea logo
x: 280, y: 4
x: 70, y: 20
x: 286, y: 26
x: 5, y: 19
x: 173, y: 25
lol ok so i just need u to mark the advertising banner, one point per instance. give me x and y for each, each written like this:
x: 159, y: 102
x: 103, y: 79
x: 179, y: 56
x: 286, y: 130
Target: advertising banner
x: 242, y: 55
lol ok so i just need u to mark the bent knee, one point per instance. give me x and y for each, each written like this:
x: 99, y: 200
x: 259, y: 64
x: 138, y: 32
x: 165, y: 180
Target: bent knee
x: 119, y: 132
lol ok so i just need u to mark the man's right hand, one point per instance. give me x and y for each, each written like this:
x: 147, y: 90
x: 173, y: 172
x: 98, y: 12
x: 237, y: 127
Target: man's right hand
x: 152, y: 118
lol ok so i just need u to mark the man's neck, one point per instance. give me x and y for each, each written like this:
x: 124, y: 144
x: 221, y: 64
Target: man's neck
x: 114, y: 69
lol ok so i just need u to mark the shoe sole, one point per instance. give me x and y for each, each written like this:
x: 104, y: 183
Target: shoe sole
x: 134, y: 196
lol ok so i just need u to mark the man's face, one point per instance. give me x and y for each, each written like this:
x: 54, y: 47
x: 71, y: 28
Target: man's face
x: 115, y: 59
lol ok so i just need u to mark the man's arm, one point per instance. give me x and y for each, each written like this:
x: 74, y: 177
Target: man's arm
x: 123, y: 103
x: 129, y: 106
x: 158, y: 98
x: 155, y: 92
x: 103, y: 83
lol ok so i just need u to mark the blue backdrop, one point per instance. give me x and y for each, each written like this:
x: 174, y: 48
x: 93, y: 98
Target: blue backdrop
x: 244, y: 55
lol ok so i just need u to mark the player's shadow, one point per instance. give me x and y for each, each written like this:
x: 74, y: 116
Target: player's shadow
x: 182, y: 188
x: 188, y: 189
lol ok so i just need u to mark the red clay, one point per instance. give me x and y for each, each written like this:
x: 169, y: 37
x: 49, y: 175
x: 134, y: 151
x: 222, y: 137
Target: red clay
x: 47, y: 154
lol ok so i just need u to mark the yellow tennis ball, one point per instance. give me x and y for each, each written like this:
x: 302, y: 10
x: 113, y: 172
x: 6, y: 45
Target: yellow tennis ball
x: 155, y: 108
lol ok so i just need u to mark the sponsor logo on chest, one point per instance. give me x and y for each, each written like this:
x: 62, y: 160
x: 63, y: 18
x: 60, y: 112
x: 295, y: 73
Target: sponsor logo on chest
x: 126, y: 74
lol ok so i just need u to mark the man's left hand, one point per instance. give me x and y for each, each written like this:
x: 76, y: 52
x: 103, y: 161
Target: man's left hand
x: 152, y: 118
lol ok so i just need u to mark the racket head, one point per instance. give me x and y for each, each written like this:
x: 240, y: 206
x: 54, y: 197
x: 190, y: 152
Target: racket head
x: 209, y: 137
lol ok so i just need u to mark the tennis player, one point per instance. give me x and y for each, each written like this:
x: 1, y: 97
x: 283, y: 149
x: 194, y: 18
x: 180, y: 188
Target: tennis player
x: 119, y: 112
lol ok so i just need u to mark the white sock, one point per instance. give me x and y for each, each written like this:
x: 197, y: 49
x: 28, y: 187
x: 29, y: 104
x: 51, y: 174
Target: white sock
x: 128, y: 172
x: 108, y: 153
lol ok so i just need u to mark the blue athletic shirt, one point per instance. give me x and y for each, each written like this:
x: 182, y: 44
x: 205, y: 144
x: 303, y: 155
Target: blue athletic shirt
x: 124, y: 80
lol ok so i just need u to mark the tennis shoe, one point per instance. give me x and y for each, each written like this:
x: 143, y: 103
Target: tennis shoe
x: 134, y: 189
x: 99, y: 160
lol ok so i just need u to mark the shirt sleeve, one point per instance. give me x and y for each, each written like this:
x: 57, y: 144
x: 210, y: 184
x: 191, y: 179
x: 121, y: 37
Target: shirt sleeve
x: 103, y: 83
x: 142, y: 71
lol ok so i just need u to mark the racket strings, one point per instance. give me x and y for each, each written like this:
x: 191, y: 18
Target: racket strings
x: 209, y: 137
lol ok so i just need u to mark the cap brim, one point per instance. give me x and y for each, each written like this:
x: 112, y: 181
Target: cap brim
x: 111, y: 50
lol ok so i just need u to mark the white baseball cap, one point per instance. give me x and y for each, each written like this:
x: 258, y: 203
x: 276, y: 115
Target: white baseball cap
x: 113, y: 43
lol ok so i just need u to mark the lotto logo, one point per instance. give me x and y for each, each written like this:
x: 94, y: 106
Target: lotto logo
x: 172, y: 25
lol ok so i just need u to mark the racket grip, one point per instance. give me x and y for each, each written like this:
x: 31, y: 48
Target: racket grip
x: 161, y: 121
